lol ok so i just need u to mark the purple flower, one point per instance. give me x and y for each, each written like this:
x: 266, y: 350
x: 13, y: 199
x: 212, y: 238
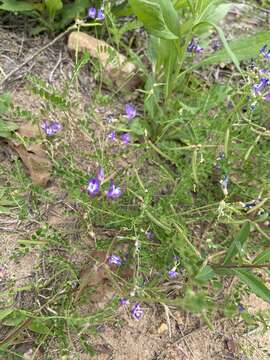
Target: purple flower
x: 100, y: 15
x: 194, y: 47
x: 125, y: 138
x: 111, y: 136
x: 130, y: 111
x: 92, y: 12
x: 173, y: 273
x: 114, y: 260
x: 51, y: 127
x: 100, y: 174
x: 113, y: 192
x: 267, y: 97
x: 137, y: 312
x: 267, y: 55
x: 93, y: 187
x: 263, y: 49
x: 261, y: 85
x: 123, y: 301
x: 241, y: 308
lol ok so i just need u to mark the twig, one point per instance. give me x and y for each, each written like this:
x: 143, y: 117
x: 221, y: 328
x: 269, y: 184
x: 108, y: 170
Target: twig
x: 55, y: 67
x: 73, y: 27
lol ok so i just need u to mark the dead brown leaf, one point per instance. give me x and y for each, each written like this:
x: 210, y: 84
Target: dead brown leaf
x: 92, y: 275
x: 35, y: 160
x: 29, y: 130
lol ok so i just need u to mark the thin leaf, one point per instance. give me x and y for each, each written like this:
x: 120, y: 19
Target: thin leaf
x: 254, y: 283
x: 262, y: 257
x: 238, y: 243
x: 4, y: 313
x: 227, y: 48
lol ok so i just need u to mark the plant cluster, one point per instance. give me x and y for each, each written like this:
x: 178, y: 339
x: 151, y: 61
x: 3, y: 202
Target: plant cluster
x: 194, y: 206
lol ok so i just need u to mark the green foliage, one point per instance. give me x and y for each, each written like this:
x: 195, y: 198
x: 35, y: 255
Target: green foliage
x: 17, y: 6
x: 158, y: 16
x: 52, y: 15
x: 237, y: 245
x: 6, y: 127
x: 254, y: 283
x: 185, y: 140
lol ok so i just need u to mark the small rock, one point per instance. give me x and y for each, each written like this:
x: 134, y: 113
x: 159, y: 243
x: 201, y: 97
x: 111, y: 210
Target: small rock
x: 116, y: 67
x: 163, y: 328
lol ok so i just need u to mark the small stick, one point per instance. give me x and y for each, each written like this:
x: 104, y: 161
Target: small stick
x: 39, y: 51
x: 55, y: 67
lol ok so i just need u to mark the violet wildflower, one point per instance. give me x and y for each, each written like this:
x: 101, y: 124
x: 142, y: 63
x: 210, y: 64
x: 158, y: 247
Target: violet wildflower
x: 51, y: 127
x: 100, y: 15
x: 267, y: 55
x: 173, y: 273
x: 194, y: 47
x: 123, y: 301
x: 263, y: 49
x: 111, y: 136
x: 267, y: 97
x: 114, y: 260
x: 261, y: 85
x: 113, y: 192
x: 137, y: 312
x: 93, y: 187
x: 125, y: 138
x: 241, y: 308
x: 130, y: 111
x: 100, y: 174
x: 92, y: 12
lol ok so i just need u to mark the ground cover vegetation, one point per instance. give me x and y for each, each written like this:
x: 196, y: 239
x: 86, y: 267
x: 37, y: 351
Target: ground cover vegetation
x: 170, y: 188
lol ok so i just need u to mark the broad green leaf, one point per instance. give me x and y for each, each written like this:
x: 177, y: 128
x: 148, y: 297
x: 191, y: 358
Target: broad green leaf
x: 262, y: 257
x: 16, y: 6
x: 237, y: 243
x: 217, y: 13
x: 122, y: 9
x: 72, y: 10
x: 254, y: 283
x: 53, y: 6
x: 205, y: 274
x: 244, y: 48
x: 158, y: 16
